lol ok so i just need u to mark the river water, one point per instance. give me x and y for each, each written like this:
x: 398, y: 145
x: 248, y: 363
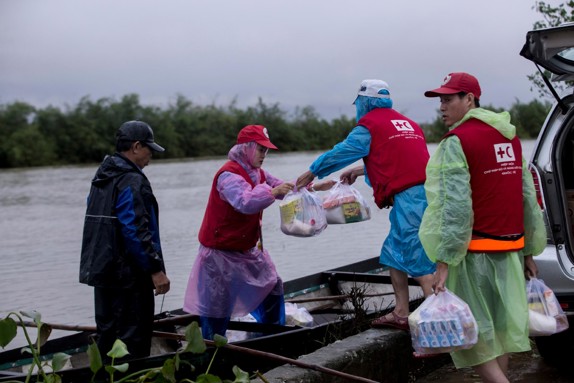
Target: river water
x: 42, y: 212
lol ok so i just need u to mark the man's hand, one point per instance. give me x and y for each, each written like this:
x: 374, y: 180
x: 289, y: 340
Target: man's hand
x: 530, y: 268
x: 304, y: 179
x: 349, y: 176
x: 160, y: 282
x: 440, y: 276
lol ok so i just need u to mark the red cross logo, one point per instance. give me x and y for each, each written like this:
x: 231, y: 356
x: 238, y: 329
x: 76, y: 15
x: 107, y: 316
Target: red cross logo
x: 402, y: 125
x: 504, y: 152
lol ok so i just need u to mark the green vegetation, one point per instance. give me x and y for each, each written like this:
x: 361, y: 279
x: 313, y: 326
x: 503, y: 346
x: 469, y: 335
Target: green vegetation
x: 551, y: 17
x: 46, y: 371
x: 85, y: 133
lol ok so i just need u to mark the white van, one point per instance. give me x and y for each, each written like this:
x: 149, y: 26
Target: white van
x: 552, y: 165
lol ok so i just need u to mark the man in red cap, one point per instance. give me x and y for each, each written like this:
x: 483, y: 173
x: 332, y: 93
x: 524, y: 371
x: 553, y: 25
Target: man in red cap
x: 233, y: 275
x: 482, y: 224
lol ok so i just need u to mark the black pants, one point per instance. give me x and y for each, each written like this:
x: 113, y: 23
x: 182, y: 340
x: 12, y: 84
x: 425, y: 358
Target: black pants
x: 125, y: 314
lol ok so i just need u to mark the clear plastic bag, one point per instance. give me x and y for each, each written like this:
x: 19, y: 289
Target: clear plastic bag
x: 545, y: 316
x: 302, y: 214
x: 442, y: 323
x: 297, y: 316
x: 344, y: 204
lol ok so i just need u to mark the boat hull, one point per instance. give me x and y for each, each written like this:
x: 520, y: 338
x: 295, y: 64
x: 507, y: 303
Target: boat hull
x: 341, y: 301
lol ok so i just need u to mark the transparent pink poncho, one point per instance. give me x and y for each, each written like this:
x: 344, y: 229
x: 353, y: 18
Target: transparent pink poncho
x: 233, y: 283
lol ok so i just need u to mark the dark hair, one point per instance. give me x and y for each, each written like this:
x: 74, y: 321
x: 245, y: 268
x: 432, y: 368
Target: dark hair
x: 123, y: 145
x: 476, y: 102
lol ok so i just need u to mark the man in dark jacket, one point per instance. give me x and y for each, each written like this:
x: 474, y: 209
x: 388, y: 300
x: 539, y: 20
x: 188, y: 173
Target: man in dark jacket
x: 121, y: 250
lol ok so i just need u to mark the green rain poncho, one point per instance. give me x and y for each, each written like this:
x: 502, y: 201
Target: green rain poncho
x: 492, y: 284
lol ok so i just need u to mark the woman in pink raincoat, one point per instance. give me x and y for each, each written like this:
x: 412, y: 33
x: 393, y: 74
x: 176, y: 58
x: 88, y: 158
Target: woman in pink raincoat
x: 233, y: 275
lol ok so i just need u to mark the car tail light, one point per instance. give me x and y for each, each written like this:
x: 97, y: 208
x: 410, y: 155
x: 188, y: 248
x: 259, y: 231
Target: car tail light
x: 537, y: 187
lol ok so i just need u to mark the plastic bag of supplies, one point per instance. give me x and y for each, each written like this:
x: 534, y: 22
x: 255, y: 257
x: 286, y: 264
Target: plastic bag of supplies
x: 297, y: 316
x: 442, y: 323
x: 344, y: 204
x: 545, y: 316
x: 302, y: 214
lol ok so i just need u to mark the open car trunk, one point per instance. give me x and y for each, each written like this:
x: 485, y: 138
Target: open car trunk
x: 552, y: 166
x: 553, y: 50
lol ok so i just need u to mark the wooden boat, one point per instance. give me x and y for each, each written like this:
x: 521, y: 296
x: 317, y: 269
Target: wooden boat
x: 341, y: 301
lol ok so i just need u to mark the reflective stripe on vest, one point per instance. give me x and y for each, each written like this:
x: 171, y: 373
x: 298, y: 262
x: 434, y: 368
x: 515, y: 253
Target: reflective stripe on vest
x: 487, y: 245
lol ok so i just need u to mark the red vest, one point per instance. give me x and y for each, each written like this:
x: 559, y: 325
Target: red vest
x: 398, y: 154
x: 495, y: 166
x: 225, y: 228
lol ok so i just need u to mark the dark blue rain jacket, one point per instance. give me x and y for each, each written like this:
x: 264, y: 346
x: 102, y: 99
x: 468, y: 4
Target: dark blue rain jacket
x: 121, y: 245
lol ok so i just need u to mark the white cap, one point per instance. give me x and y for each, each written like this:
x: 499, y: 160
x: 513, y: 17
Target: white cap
x: 371, y: 88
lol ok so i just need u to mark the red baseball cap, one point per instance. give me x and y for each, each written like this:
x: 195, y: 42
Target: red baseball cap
x: 457, y: 82
x: 257, y: 133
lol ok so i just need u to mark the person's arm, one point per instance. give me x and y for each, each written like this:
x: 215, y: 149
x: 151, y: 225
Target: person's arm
x: 350, y: 176
x: 440, y: 277
x: 279, y: 188
x: 534, y: 229
x: 246, y: 199
x: 353, y: 148
x: 446, y: 227
x: 139, y: 230
x: 271, y: 180
x: 321, y: 185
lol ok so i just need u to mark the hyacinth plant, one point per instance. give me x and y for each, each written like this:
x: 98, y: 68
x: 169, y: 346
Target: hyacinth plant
x: 47, y: 371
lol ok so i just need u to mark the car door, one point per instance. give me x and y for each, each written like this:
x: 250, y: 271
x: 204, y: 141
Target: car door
x: 552, y: 167
x: 552, y: 162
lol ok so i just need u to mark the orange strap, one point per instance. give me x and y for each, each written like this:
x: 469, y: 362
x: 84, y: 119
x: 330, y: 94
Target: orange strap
x: 486, y: 245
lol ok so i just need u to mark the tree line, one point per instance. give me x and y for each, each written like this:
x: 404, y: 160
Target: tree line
x: 85, y: 133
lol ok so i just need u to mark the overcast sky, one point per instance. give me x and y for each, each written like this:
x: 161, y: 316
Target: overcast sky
x: 295, y: 52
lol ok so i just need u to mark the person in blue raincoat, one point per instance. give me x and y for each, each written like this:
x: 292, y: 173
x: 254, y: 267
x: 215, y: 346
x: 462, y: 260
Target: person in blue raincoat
x: 394, y: 153
x: 483, y: 224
